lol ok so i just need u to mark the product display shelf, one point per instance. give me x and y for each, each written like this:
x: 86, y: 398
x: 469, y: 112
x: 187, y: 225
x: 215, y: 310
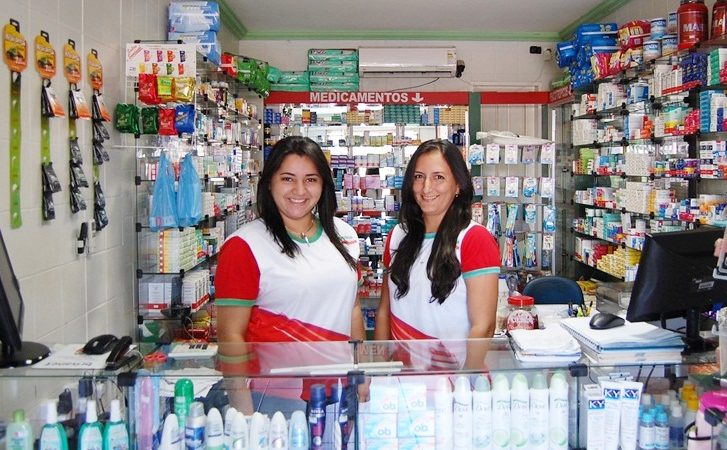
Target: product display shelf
x: 594, y: 235
x: 592, y: 267
x: 174, y: 267
x: 403, y: 379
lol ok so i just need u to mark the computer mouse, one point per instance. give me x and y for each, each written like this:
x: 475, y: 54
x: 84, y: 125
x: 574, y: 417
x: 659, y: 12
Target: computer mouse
x: 602, y: 321
x: 100, y: 344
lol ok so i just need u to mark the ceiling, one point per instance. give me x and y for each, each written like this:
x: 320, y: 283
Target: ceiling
x: 460, y: 20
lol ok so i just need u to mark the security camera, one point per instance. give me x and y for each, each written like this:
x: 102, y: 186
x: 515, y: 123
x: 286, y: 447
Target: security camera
x: 460, y: 68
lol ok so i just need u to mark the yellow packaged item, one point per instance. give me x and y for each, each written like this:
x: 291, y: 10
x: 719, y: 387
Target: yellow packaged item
x: 164, y: 88
x: 184, y: 89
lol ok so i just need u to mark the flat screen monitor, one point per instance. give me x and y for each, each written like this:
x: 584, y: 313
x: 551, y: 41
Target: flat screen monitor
x: 674, y: 279
x: 14, y: 352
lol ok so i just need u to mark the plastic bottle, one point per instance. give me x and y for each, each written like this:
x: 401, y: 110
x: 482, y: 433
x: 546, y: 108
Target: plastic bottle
x: 661, y: 431
x: 538, y: 424
x: 646, y: 431
x: 183, y: 398
x: 719, y: 14
x: 503, y: 292
x: 482, y: 414
x: 443, y: 439
x: 239, y: 433
x: 259, y: 432
x: 90, y: 437
x: 692, y: 407
x: 19, y: 434
x: 194, y: 427
x: 500, y: 412
x: 558, y: 426
x: 115, y: 434
x: 229, y: 418
x: 278, y: 432
x: 298, y: 432
x: 692, y: 19
x: 676, y: 427
x: 317, y: 416
x: 214, y: 430
x: 171, y: 436
x: 462, y: 414
x: 52, y: 435
x: 145, y: 413
x: 519, y: 412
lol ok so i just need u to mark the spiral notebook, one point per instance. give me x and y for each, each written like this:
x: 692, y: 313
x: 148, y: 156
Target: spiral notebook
x: 631, y: 335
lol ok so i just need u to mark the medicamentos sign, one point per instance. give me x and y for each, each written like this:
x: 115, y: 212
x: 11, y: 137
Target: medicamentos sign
x: 386, y: 98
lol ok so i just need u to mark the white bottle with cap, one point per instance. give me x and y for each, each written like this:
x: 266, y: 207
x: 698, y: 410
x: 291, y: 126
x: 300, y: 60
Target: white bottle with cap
x: 115, y: 435
x: 52, y: 435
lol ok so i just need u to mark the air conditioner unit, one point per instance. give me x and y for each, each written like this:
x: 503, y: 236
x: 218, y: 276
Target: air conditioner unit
x: 407, y: 62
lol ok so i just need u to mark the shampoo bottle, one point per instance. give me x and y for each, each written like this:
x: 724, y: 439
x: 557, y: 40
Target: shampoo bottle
x: 239, y: 435
x: 443, y: 415
x: 298, y: 433
x: 539, y: 413
x: 500, y: 412
x: 213, y: 431
x: 482, y: 415
x: 52, y: 435
x: 171, y: 435
x: 229, y: 417
x: 115, y: 435
x: 194, y: 428
x: 558, y: 426
x: 90, y: 437
x: 278, y: 432
x: 19, y: 435
x: 519, y: 410
x: 462, y: 415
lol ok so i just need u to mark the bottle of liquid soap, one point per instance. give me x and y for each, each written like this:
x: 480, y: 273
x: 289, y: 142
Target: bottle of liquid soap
x: 52, y: 435
x: 90, y: 437
x: 19, y: 434
x: 116, y: 435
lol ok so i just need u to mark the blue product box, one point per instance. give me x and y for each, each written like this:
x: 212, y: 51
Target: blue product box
x: 185, y: 16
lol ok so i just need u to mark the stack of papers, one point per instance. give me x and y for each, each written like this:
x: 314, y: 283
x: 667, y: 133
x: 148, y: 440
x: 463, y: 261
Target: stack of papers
x: 549, y: 346
x: 634, y: 342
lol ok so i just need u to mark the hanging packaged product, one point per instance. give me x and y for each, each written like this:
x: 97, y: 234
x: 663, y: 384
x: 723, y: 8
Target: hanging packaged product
x: 76, y: 156
x: 78, y: 107
x: 99, y: 154
x: 147, y: 85
x: 77, y: 201
x: 530, y: 186
x: 692, y: 19
x: 15, y: 55
x: 95, y: 70
x: 71, y: 63
x: 150, y: 120
x: 100, y: 110
x: 100, y: 133
x: 127, y: 118
x: 163, y: 212
x: 166, y: 122
x: 184, y: 89
x: 184, y: 118
x: 165, y: 89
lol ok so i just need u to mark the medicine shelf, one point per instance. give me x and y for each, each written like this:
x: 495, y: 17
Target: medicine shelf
x: 621, y: 244
x: 599, y: 270
x: 141, y: 273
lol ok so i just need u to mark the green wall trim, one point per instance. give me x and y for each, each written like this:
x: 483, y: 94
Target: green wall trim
x: 605, y: 8
x: 230, y: 20
x: 475, y: 115
x: 348, y: 35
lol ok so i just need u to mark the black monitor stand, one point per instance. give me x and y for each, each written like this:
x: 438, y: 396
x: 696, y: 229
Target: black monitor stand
x: 29, y: 354
x: 694, y: 342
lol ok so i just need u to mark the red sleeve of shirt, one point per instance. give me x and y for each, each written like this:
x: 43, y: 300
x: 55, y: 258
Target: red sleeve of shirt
x: 479, y: 250
x: 387, y: 248
x: 238, y: 275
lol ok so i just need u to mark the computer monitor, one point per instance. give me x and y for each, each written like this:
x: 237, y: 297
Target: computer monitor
x: 674, y: 279
x: 13, y: 351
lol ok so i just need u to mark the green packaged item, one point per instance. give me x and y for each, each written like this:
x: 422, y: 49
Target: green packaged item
x: 333, y: 66
x: 164, y: 89
x: 285, y: 87
x: 326, y: 77
x: 273, y: 74
x: 294, y: 78
x: 127, y: 118
x: 319, y: 54
x: 150, y: 120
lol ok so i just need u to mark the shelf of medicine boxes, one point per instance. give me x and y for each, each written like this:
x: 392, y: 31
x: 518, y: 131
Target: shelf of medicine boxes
x: 594, y: 235
x: 577, y: 259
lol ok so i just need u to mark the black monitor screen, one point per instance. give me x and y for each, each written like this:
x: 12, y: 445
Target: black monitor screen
x: 675, y: 279
x: 11, y: 303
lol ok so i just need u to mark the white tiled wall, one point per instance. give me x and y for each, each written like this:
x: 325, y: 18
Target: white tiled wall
x: 70, y: 298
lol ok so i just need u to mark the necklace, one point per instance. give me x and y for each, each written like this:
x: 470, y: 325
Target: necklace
x: 304, y: 234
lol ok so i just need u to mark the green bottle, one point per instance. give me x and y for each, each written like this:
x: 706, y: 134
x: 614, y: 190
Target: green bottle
x: 183, y: 397
x: 19, y: 435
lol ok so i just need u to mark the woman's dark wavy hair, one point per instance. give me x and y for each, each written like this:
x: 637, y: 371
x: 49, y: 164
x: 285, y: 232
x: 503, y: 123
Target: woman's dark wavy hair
x: 268, y: 210
x: 443, y: 268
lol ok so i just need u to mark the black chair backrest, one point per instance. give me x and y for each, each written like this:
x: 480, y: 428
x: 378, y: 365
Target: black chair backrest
x: 554, y: 290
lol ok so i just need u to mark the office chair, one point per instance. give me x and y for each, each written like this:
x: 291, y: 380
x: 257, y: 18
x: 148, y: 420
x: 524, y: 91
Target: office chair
x: 554, y: 290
